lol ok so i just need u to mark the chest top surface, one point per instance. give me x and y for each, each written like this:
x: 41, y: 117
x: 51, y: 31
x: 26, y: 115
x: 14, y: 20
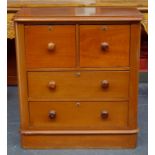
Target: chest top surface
x: 78, y: 14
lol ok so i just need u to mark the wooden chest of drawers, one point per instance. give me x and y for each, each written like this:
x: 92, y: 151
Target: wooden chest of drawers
x: 77, y: 74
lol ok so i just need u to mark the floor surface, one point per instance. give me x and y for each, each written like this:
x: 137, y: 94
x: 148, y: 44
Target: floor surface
x: 13, y: 128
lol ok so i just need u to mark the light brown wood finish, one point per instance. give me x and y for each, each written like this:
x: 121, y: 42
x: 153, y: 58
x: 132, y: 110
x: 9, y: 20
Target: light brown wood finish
x: 93, y: 37
x: 14, y: 5
x: 22, y: 78
x: 78, y: 115
x: 37, y: 40
x: 55, y: 99
x: 79, y: 141
x: 81, y: 14
x: 134, y: 76
x: 84, y: 85
x: 79, y: 132
x: 80, y: 68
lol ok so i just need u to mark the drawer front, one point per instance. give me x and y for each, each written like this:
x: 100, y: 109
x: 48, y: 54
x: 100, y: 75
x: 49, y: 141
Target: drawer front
x: 50, y: 46
x: 81, y: 115
x: 104, y: 45
x: 84, y: 85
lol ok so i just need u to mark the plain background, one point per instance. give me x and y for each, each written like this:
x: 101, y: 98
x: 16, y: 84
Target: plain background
x: 3, y: 77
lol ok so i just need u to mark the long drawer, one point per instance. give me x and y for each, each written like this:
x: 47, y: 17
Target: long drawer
x: 78, y: 115
x: 84, y: 85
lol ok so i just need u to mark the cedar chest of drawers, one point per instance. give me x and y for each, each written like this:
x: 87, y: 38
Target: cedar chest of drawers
x: 78, y: 76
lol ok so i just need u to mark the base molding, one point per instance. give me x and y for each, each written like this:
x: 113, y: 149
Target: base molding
x: 79, y: 141
x: 51, y: 132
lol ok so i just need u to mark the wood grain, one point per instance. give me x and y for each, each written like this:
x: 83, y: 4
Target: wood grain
x: 79, y: 141
x: 79, y: 132
x: 81, y: 14
x: 91, y: 38
x: 37, y: 39
x: 22, y: 76
x: 78, y: 115
x: 71, y: 85
x: 80, y: 68
x: 134, y: 75
x: 72, y: 72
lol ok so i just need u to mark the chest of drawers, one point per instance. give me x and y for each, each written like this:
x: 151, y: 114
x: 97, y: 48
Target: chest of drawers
x: 78, y: 76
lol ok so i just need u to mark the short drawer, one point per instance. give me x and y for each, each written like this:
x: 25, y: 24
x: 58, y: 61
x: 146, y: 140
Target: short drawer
x: 84, y: 85
x: 104, y: 45
x: 50, y: 46
x: 78, y: 115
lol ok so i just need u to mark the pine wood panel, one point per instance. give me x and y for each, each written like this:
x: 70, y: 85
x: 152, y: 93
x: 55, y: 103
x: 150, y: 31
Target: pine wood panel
x: 92, y: 36
x: 72, y: 86
x: 37, y: 38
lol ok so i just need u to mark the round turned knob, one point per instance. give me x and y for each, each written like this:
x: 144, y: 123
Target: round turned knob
x: 104, y: 114
x: 52, y: 114
x: 51, y: 46
x: 52, y: 84
x: 105, y: 84
x: 104, y: 46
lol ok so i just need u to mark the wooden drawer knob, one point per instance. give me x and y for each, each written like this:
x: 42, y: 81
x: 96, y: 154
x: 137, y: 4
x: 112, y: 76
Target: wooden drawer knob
x: 105, y: 84
x: 52, y: 84
x: 104, y: 46
x: 104, y: 114
x: 52, y: 114
x: 51, y: 46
